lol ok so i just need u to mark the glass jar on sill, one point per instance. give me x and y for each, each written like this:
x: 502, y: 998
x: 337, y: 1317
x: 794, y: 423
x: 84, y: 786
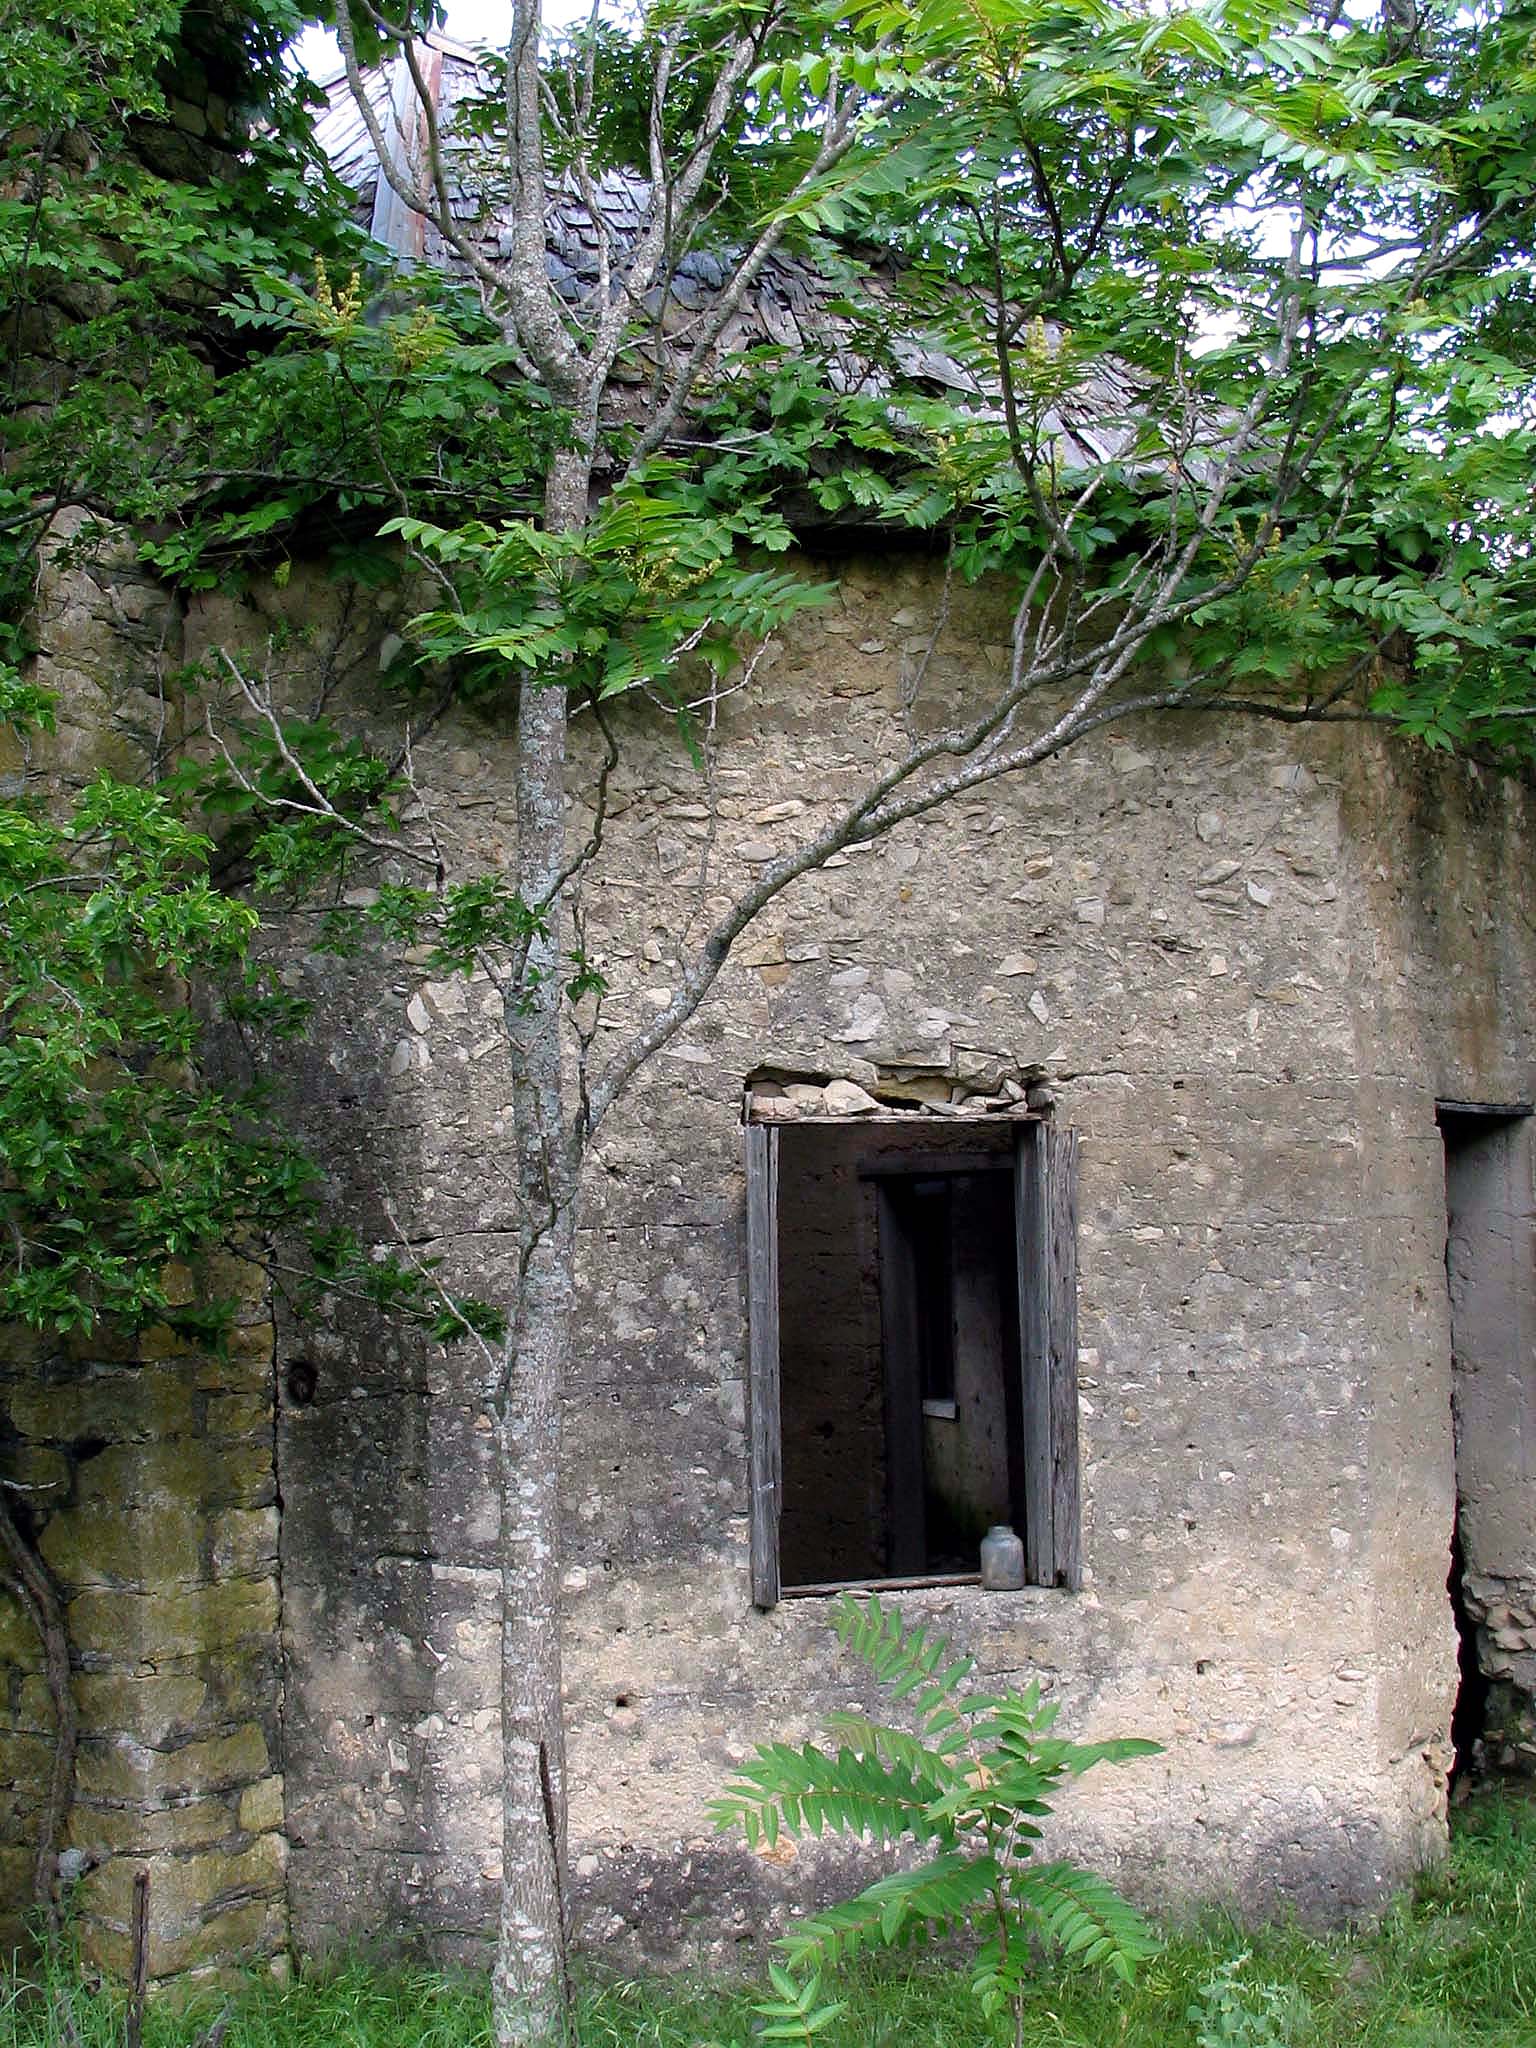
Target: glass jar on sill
x: 1002, y: 1560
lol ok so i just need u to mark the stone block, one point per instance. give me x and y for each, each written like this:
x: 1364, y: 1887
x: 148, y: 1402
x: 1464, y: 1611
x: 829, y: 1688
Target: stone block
x: 178, y: 1283
x: 145, y: 1547
x: 151, y: 1706
x: 18, y: 1636
x: 141, y: 1401
x: 16, y: 1866
x: 33, y: 1713
x: 44, y: 1473
x: 204, y: 1472
x: 244, y: 1543
x: 242, y: 1686
x: 234, y: 1279
x: 261, y: 1805
x: 136, y: 1831
x: 247, y: 1356
x: 185, y: 1889
x: 160, y: 1340
x: 123, y: 1769
x: 21, y: 1349
x: 27, y: 1760
x: 246, y: 1933
x: 238, y: 1414
x: 124, y: 1627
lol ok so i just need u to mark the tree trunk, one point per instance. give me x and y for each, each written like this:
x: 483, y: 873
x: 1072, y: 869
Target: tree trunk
x: 530, y: 1988
x: 531, y: 1999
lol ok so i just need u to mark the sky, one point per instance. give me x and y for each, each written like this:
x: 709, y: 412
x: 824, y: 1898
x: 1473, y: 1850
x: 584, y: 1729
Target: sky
x: 469, y: 21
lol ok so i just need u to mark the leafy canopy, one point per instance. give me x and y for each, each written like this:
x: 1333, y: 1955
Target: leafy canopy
x: 1071, y: 249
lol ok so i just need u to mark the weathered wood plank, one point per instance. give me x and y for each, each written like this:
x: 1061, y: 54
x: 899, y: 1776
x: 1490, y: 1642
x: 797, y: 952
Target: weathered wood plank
x: 908, y: 1165
x: 1031, y: 1230
x: 1060, y: 1267
x: 763, y: 1425
x: 905, y: 1514
x: 826, y: 1587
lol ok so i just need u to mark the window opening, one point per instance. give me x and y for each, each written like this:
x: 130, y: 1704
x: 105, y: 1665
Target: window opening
x: 913, y: 1377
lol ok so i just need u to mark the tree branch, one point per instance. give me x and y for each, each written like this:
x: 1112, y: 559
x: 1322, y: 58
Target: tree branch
x: 40, y: 1596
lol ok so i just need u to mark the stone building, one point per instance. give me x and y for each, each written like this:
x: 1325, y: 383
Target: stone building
x: 1140, y: 1153
x: 1273, y: 984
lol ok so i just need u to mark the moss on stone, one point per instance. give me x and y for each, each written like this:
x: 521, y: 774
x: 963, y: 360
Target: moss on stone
x: 261, y: 1805
x: 130, y: 1771
x: 133, y: 1831
x: 141, y: 1547
x: 124, y: 1627
x: 115, y: 1405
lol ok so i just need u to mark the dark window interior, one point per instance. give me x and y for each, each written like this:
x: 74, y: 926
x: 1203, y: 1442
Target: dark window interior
x: 900, y: 1391
x: 931, y: 1234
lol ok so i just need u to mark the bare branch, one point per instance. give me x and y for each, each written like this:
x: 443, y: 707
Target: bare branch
x: 427, y: 1274
x: 319, y: 805
x: 429, y: 202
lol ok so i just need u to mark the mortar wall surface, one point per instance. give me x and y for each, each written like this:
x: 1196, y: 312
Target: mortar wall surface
x: 1247, y: 961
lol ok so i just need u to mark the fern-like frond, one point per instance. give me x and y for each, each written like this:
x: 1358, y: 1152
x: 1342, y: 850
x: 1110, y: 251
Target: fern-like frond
x: 1002, y: 1787
x: 908, y: 1660
x: 936, y: 1899
x: 798, y: 2013
x: 1082, y: 1915
x: 804, y: 1791
x: 1073, y: 1758
x: 998, y: 1973
x: 933, y: 1765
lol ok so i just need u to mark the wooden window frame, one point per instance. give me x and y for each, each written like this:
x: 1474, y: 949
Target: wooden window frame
x: 1044, y: 1167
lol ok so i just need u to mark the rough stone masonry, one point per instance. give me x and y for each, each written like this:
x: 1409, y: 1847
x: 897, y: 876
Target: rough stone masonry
x: 1243, y: 963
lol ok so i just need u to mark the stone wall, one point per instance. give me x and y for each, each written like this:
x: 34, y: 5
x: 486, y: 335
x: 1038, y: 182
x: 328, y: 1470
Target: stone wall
x: 1245, y: 963
x: 1231, y: 953
x: 148, y: 1488
x: 144, y: 1474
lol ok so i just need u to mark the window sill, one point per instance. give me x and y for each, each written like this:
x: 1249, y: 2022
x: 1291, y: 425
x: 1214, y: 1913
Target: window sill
x: 827, y: 1587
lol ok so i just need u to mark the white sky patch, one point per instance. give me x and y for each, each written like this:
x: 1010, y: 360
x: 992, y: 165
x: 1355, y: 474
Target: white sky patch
x: 469, y: 21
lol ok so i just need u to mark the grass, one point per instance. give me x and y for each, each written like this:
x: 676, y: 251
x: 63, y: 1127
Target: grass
x: 1451, y: 1966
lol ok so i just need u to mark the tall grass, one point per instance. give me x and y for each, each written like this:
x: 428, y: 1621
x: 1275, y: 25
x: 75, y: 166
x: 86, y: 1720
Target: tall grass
x: 1451, y: 1966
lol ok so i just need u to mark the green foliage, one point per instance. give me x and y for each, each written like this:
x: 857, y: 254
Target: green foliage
x: 1453, y: 1965
x: 116, y: 1156
x: 1231, y: 2013
x: 119, y: 955
x: 339, y: 408
x: 119, y: 236
x: 797, y: 2011
x: 1053, y: 197
x: 973, y: 1781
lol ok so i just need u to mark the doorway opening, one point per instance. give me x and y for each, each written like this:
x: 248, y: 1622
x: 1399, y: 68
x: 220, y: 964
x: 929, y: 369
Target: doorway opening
x: 1489, y: 1277
x: 1469, y: 1715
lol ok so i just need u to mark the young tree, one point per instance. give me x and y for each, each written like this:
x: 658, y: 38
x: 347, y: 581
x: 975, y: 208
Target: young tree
x: 1198, y: 324
x: 1267, y: 252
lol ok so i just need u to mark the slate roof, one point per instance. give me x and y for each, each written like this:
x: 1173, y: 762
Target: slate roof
x: 794, y: 306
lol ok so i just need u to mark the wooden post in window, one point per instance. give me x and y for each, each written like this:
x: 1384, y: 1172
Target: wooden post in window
x: 906, y: 1519
x: 1060, y: 1269
x: 766, y: 1451
x: 1045, y: 1220
x: 1030, y: 1203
